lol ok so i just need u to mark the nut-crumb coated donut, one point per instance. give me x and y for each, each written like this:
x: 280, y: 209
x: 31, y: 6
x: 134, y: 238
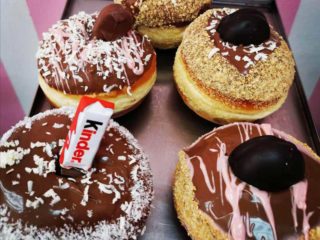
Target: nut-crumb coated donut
x: 111, y: 200
x: 212, y: 203
x: 224, y: 83
x: 72, y: 63
x: 164, y: 21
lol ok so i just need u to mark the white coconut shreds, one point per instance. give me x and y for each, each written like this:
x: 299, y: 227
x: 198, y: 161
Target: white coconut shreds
x: 67, y: 52
x: 127, y: 226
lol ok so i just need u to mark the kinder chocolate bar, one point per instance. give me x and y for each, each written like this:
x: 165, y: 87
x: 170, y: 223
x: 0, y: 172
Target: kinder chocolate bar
x: 86, y: 131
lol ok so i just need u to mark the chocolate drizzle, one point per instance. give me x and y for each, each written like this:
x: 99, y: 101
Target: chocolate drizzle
x: 72, y: 61
x: 240, y: 209
x: 242, y: 57
x: 111, y: 200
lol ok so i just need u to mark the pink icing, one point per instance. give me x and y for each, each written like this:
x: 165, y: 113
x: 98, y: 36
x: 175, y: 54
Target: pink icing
x: 265, y: 200
x: 299, y: 197
x: 233, y: 193
x: 248, y: 226
x: 204, y: 171
x: 240, y: 225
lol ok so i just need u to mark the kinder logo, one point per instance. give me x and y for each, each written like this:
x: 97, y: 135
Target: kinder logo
x: 89, y: 131
x: 86, y: 132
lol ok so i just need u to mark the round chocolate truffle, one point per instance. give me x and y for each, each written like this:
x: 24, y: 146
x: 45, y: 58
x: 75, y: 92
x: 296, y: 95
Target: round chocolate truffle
x: 114, y: 21
x: 268, y: 163
x: 245, y: 26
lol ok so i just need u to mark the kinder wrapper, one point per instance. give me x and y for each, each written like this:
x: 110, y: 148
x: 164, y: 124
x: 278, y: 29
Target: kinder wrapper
x: 85, y: 134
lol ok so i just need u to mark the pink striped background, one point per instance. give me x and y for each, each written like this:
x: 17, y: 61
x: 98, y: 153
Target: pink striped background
x: 288, y: 11
x: 43, y: 14
x: 10, y: 108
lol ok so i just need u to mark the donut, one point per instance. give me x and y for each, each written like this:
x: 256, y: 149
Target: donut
x: 164, y: 21
x: 223, y: 82
x: 38, y: 201
x: 212, y: 202
x: 73, y: 61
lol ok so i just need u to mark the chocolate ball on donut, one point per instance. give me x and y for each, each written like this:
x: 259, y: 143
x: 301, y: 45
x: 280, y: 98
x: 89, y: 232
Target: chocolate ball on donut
x: 97, y: 55
x: 248, y: 181
x: 232, y: 66
x: 268, y: 163
x: 113, y: 21
x: 245, y: 26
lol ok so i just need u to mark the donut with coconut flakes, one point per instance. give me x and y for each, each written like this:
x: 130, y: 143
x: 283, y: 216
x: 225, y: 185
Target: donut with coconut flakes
x: 40, y: 200
x: 97, y: 55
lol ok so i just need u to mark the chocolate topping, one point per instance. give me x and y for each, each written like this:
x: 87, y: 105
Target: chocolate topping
x: 65, y: 172
x: 242, y: 57
x: 72, y: 61
x: 245, y: 26
x: 236, y: 207
x: 114, y: 21
x: 268, y: 163
x: 111, y: 201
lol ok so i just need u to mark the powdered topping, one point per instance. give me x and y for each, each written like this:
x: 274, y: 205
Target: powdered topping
x: 242, y: 57
x: 60, y: 205
x: 241, y: 210
x: 72, y: 61
x: 35, y: 203
x: 155, y: 13
x: 53, y: 195
x: 12, y: 156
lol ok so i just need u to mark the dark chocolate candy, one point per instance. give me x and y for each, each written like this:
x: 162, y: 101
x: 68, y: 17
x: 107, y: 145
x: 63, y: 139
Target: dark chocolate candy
x: 68, y: 173
x: 268, y: 163
x: 114, y: 21
x: 244, y: 27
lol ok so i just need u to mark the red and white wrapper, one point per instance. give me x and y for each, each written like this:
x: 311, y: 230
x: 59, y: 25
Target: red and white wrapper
x: 85, y: 134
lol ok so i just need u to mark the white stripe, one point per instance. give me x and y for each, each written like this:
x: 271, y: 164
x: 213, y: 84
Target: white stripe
x: 18, y: 46
x: 305, y: 43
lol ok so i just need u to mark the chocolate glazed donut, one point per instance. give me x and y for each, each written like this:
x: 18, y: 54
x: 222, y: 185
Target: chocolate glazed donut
x: 213, y: 203
x: 38, y: 200
x: 79, y: 56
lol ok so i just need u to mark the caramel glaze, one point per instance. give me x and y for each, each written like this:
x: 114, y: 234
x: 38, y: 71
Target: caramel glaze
x: 230, y: 51
x: 113, y: 145
x: 281, y: 202
x: 90, y: 68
